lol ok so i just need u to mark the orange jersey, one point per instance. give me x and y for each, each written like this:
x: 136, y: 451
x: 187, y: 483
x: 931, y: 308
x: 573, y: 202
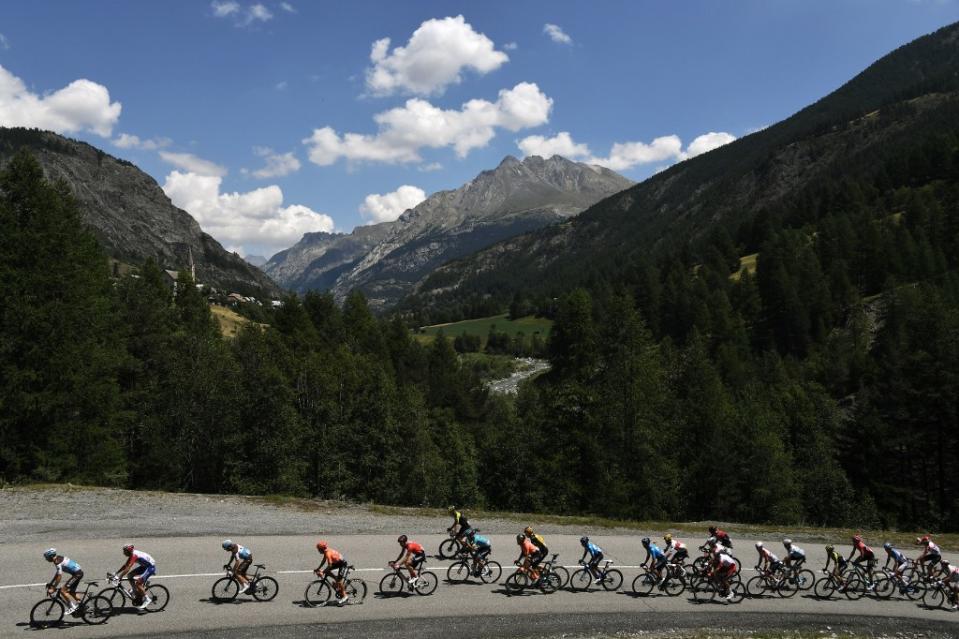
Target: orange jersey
x: 332, y: 556
x: 414, y: 548
x: 528, y: 548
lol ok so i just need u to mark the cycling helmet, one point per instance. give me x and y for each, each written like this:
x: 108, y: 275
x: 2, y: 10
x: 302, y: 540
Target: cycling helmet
x: 584, y: 540
x: 712, y: 530
x: 787, y: 542
x: 49, y: 554
x: 667, y: 537
x: 925, y: 539
x: 451, y: 509
x: 759, y: 545
x: 520, y: 538
x: 528, y: 530
x: 887, y: 546
x: 402, y: 539
x: 830, y: 548
x: 711, y: 541
x: 227, y: 544
x: 128, y: 549
x: 321, y: 546
x: 645, y: 541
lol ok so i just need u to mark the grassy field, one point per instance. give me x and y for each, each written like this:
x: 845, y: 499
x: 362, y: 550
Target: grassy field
x: 747, y: 261
x: 230, y: 322
x: 528, y: 325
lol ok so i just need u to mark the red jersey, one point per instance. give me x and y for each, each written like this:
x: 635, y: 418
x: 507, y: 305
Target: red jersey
x: 864, y: 550
x: 414, y: 548
x: 332, y: 556
x: 528, y: 548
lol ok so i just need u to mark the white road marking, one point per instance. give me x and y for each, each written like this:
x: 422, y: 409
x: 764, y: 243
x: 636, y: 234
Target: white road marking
x: 22, y: 586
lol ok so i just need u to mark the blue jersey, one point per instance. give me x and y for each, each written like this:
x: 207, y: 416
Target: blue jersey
x: 593, y: 549
x: 655, y: 552
x: 897, y: 556
x: 480, y: 541
x: 68, y: 566
x: 244, y: 553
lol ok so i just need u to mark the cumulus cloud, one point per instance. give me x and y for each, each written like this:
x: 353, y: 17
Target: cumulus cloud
x: 289, y: 8
x: 259, y: 12
x: 277, y: 164
x: 193, y: 164
x: 82, y: 105
x: 435, y: 56
x: 664, y: 150
x: 560, y: 144
x: 255, y: 222
x: 128, y: 141
x: 403, y: 131
x: 244, y: 17
x: 389, y: 206
x: 556, y: 34
x: 707, y: 142
x: 224, y: 9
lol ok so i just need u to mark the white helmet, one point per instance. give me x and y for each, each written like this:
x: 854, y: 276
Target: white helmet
x: 759, y: 544
x: 787, y: 542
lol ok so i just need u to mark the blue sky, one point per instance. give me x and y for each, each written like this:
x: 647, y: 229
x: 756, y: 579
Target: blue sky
x: 243, y: 110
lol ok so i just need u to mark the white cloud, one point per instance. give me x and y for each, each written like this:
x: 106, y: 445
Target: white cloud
x: 556, y: 34
x: 224, y: 9
x: 429, y: 168
x: 434, y: 58
x: 289, y: 8
x: 128, y: 141
x: 560, y: 144
x: 389, y: 206
x: 280, y: 86
x: 192, y: 164
x: 4, y: 43
x: 259, y: 12
x: 510, y: 46
x: 277, y: 164
x: 403, y: 131
x: 82, y: 105
x: 625, y: 155
x: 707, y: 142
x: 255, y: 222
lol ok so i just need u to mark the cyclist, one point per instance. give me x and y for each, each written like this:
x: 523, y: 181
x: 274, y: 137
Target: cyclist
x: 526, y: 553
x: 724, y: 568
x: 931, y: 555
x: 139, y: 567
x: 240, y: 560
x: 721, y: 536
x: 540, y: 544
x: 460, y: 522
x: 595, y: 556
x: 675, y: 550
x: 656, y: 559
x: 837, y: 562
x: 412, y: 555
x: 768, y: 561
x: 950, y: 575
x: 865, y: 555
x: 481, y: 549
x: 898, y: 560
x: 68, y: 590
x: 334, y: 561
x: 795, y: 556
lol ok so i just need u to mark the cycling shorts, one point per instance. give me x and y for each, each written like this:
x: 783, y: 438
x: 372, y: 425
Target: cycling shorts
x: 537, y: 557
x: 595, y: 559
x: 339, y: 567
x: 73, y: 582
x: 661, y: 562
x: 932, y: 559
x: 242, y: 566
x: 680, y: 555
x: 417, y: 559
x: 142, y: 573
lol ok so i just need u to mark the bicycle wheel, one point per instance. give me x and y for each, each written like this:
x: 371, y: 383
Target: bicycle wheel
x: 805, y: 580
x: 356, y: 589
x: 392, y: 584
x: 160, y: 596
x: 704, y: 590
x: 581, y: 580
x: 225, y: 589
x: 854, y: 588
x: 788, y: 587
x: 913, y: 590
x: 449, y: 548
x: 699, y: 566
x: 96, y: 610
x: 674, y: 586
x: 491, y: 572
x: 885, y: 587
x: 265, y: 588
x: 426, y: 583
x: 563, y: 575
x: 644, y: 583
x: 458, y: 572
x: 824, y: 588
x: 612, y: 580
x: 737, y: 592
x: 113, y: 595
x: 756, y: 586
x: 318, y: 593
x: 934, y: 598
x: 550, y: 583
x: 46, y: 613
x: 516, y: 583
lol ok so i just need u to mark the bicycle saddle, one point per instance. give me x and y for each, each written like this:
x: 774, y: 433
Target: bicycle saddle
x: 260, y: 566
x: 93, y: 583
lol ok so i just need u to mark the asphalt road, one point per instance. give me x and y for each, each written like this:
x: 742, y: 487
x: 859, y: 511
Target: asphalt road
x: 188, y: 566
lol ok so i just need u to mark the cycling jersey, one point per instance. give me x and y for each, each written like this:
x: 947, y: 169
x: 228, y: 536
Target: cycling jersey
x: 460, y: 520
x: 414, y: 548
x: 140, y: 557
x: 538, y: 541
x: 723, y: 538
x: 675, y: 545
x: 897, y: 556
x: 332, y: 556
x: 768, y: 555
x: 953, y: 574
x: 931, y: 550
x: 725, y: 562
x: 795, y: 552
x: 528, y: 548
x: 864, y: 551
x: 244, y: 553
x: 67, y: 566
x: 480, y: 542
x: 593, y: 549
x: 655, y: 552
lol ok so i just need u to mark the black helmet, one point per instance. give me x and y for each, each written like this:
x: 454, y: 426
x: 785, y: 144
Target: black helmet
x: 584, y: 540
x: 712, y: 530
x: 646, y: 541
x: 402, y: 539
x: 520, y: 538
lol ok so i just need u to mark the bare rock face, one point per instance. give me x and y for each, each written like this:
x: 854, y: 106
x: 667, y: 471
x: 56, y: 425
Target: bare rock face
x: 130, y: 214
x: 387, y: 260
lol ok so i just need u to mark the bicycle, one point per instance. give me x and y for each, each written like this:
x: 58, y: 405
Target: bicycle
x: 673, y: 583
x: 454, y: 547
x: 118, y: 595
x: 487, y: 570
x: 850, y: 585
x: 609, y: 578
x: 548, y: 581
x: 261, y: 587
x: 909, y: 583
x: 94, y: 610
x: 700, y: 566
x: 937, y: 594
x: 321, y: 591
x: 794, y: 579
x: 770, y: 580
x: 395, y: 582
x: 710, y: 586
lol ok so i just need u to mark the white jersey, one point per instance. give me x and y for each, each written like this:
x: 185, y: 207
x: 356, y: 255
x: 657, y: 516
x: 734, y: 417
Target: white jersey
x: 140, y: 557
